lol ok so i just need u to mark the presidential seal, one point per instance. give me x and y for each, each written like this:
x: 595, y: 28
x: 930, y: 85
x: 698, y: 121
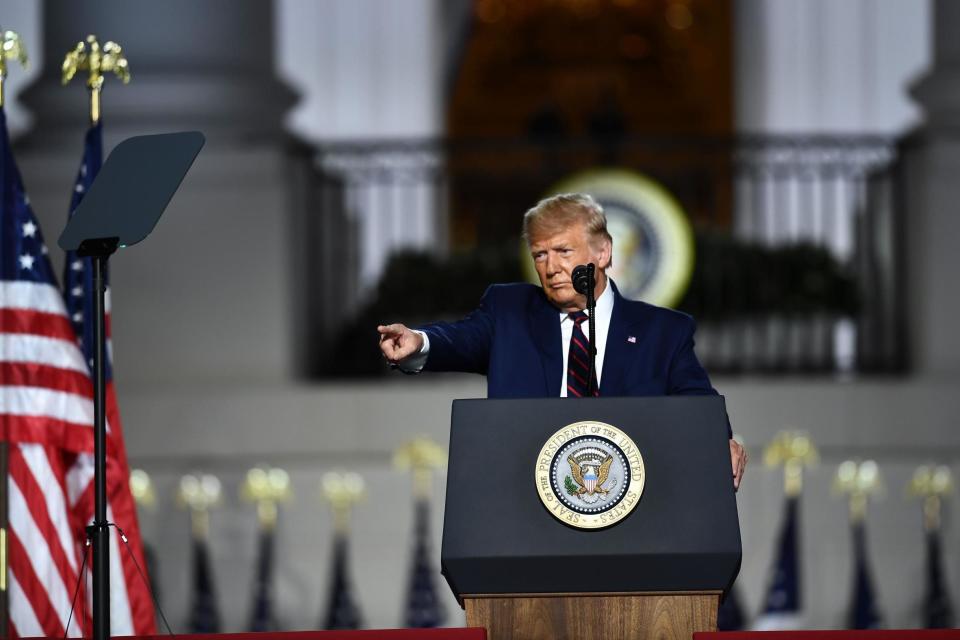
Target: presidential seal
x: 590, y: 475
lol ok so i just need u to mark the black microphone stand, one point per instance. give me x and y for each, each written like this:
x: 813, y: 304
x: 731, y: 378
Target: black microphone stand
x: 592, y: 312
x: 584, y: 282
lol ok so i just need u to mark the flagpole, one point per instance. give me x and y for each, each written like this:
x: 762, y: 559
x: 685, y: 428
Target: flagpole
x: 200, y: 493
x: 4, y: 601
x: 931, y: 484
x: 89, y: 56
x: 783, y: 606
x: 342, y: 491
x: 265, y: 487
x: 11, y: 48
x: 858, y: 481
x: 422, y: 456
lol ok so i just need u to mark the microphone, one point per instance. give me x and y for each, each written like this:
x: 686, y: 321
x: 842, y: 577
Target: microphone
x: 583, y: 278
x: 584, y: 281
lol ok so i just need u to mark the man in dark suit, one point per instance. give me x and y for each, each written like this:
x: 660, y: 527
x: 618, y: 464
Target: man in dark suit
x: 531, y: 341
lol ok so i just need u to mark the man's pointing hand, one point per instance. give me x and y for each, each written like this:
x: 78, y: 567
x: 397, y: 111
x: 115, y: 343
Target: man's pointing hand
x: 398, y: 342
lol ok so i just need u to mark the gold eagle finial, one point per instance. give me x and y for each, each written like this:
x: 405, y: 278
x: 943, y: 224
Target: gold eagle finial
x: 422, y: 456
x: 142, y: 488
x: 793, y: 451
x: 11, y: 48
x: 342, y: 490
x: 266, y: 487
x: 858, y: 481
x: 98, y: 61
x: 199, y: 493
x: 931, y: 483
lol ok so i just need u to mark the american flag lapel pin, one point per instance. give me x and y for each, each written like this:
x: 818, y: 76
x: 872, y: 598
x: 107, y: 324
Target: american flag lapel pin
x: 632, y: 339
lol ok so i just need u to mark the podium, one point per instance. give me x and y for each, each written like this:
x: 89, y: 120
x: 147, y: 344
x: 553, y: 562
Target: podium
x: 526, y: 476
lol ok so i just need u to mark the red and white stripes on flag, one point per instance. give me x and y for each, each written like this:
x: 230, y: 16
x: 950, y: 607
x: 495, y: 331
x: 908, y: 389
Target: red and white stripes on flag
x: 46, y: 414
x: 46, y: 422
x: 45, y: 401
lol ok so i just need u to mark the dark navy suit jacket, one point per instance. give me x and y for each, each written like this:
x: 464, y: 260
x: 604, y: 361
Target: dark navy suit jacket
x: 513, y: 338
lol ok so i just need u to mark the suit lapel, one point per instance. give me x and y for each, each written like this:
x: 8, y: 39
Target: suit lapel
x: 545, y: 329
x: 617, y: 352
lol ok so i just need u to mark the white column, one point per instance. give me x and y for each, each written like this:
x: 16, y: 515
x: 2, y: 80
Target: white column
x: 933, y: 220
x: 371, y: 70
x: 822, y: 66
x: 367, y: 69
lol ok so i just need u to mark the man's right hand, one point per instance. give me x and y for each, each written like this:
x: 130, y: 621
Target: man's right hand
x: 398, y: 342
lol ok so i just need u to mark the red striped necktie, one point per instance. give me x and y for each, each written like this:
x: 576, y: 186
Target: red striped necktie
x: 578, y: 360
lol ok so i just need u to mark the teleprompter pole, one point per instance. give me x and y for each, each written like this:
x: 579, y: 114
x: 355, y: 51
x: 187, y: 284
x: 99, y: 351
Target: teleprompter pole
x: 120, y: 208
x: 89, y: 56
x: 99, y: 532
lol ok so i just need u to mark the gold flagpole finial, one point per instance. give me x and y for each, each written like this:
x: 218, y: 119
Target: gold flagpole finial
x: 142, y: 488
x: 98, y: 61
x: 858, y: 481
x: 266, y: 487
x: 793, y: 451
x: 931, y: 483
x: 11, y: 48
x: 199, y: 493
x: 342, y: 491
x: 422, y: 456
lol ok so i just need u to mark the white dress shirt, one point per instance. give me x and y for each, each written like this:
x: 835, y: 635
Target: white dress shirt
x: 604, y: 310
x: 414, y: 363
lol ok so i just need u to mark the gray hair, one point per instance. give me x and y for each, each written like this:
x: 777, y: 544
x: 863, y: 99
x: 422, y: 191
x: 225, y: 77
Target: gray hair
x: 554, y: 214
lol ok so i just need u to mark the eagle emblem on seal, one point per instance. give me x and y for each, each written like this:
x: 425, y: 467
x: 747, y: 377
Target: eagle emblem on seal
x: 590, y: 471
x: 590, y: 475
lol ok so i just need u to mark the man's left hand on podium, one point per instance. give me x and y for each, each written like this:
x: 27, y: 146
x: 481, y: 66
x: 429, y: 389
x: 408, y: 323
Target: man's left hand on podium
x: 738, y: 461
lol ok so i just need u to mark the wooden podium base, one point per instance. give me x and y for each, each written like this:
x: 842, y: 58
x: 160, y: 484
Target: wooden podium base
x: 593, y: 616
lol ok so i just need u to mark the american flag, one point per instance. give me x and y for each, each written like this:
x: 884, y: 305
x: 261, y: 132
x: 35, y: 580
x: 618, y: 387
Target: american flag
x: 45, y: 415
x: 783, y: 608
x: 131, y: 609
x: 862, y: 612
x: 342, y: 610
x: 262, y: 618
x: 424, y: 608
x: 937, y: 605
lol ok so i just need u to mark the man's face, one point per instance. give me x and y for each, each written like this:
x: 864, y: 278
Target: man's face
x: 555, y: 257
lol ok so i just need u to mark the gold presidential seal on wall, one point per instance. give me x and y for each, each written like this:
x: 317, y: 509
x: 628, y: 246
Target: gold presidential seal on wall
x: 590, y: 475
x: 653, y: 242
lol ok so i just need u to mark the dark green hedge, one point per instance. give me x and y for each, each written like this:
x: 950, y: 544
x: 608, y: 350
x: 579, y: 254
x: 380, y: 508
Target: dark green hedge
x: 731, y: 279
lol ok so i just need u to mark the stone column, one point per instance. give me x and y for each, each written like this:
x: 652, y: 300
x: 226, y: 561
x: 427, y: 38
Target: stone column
x: 818, y: 67
x: 210, y: 294
x: 932, y: 205
x: 206, y: 65
x: 375, y: 74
